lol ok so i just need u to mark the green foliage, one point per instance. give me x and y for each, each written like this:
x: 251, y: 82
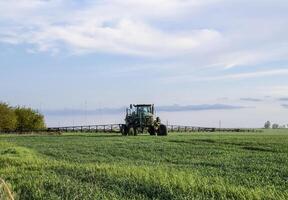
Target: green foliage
x: 7, y: 118
x: 275, y: 126
x: 267, y: 125
x: 20, y: 119
x: 179, y: 166
x: 29, y: 119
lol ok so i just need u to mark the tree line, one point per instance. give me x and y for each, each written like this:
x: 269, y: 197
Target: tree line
x: 20, y: 119
x: 268, y: 125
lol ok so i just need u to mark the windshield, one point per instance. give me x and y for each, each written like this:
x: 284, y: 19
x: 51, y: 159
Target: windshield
x: 144, y: 109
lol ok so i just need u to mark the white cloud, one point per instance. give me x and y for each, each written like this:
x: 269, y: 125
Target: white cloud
x: 270, y: 53
x: 234, y: 76
x: 111, y: 26
x: 256, y: 74
x: 135, y: 28
x: 275, y: 90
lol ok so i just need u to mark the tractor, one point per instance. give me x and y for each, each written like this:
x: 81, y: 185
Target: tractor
x: 141, y: 118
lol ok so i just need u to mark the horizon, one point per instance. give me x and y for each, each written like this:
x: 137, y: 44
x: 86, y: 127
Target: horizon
x: 199, y: 62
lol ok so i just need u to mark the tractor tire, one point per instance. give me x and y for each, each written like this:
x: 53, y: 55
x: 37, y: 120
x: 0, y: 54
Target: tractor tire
x: 163, y: 131
x: 131, y: 131
x: 124, y: 130
x: 151, y: 130
x: 135, y: 131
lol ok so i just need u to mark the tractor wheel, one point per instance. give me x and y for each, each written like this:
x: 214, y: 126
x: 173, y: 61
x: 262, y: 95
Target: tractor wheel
x: 131, y: 131
x: 151, y: 130
x: 163, y: 130
x: 135, y: 131
x: 124, y: 130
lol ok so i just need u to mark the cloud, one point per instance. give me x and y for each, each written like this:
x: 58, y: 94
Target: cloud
x: 232, y: 76
x: 127, y: 37
x: 173, y: 29
x: 285, y: 106
x: 283, y: 99
x: 251, y: 99
x: 256, y: 74
x: 274, y: 90
x: 245, y: 57
x: 202, y: 107
x: 82, y: 112
x: 104, y: 26
x: 71, y: 112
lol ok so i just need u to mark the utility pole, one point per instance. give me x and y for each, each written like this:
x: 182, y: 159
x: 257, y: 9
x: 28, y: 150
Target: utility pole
x: 220, y: 123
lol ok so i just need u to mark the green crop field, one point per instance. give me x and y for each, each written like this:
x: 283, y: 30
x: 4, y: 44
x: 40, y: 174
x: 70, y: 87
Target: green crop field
x: 180, y: 166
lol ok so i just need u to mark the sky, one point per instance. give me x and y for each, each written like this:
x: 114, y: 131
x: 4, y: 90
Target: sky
x: 199, y: 61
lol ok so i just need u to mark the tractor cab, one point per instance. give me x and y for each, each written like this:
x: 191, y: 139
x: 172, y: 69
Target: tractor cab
x: 140, y: 109
x: 140, y: 115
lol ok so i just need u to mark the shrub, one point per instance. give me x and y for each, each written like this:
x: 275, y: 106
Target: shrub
x: 28, y: 119
x: 8, y: 118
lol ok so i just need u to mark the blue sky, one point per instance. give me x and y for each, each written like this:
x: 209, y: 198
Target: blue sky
x: 59, y: 56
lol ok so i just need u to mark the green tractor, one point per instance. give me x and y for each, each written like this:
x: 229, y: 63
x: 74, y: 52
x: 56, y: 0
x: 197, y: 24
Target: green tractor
x: 141, y: 118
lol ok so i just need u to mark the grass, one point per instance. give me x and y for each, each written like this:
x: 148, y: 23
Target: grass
x: 180, y: 166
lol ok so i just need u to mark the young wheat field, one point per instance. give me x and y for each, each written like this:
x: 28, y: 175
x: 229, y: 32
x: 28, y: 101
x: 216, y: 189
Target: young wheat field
x: 179, y: 166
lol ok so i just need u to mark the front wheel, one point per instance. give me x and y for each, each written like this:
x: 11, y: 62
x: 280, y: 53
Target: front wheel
x: 135, y: 131
x: 163, y: 131
x: 151, y: 130
x: 131, y: 131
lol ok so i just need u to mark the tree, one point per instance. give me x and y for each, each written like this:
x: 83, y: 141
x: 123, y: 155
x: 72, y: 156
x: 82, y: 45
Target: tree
x: 275, y: 126
x: 8, y: 118
x: 283, y: 126
x: 28, y: 119
x: 267, y: 125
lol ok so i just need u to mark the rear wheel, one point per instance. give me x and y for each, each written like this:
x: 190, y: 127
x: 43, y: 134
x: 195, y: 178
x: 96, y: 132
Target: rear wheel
x: 124, y: 130
x: 163, y: 130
